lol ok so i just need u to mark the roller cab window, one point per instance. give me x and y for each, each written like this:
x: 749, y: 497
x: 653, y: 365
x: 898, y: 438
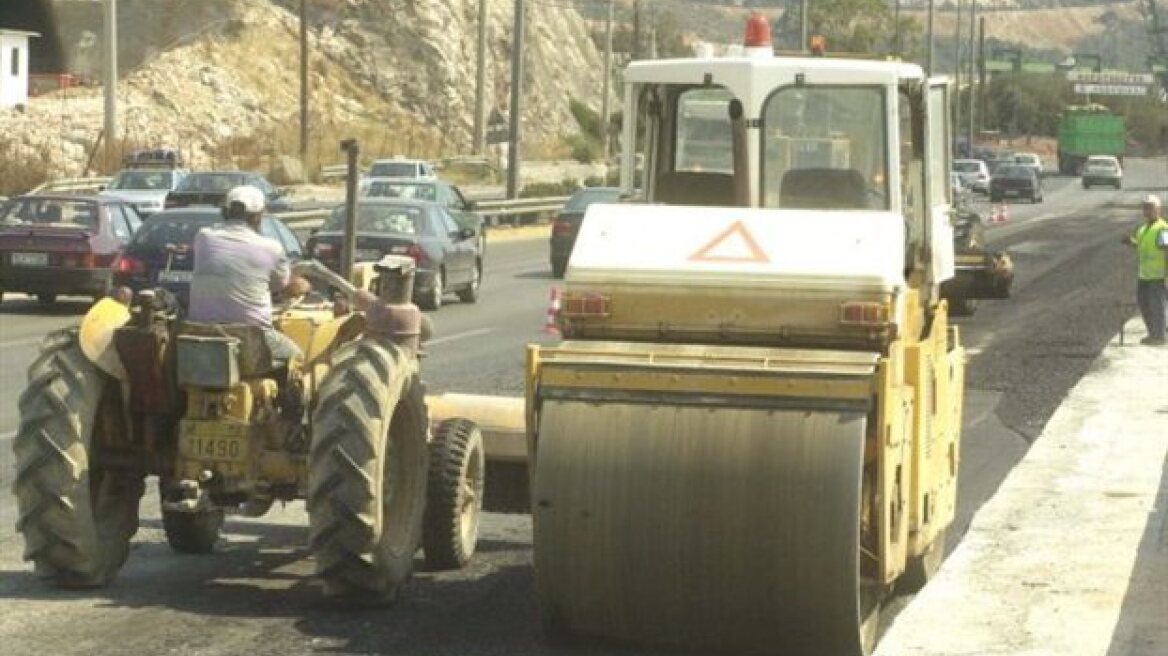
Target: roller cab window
x: 825, y: 148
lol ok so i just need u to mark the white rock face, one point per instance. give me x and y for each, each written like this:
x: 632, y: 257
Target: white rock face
x: 407, y: 64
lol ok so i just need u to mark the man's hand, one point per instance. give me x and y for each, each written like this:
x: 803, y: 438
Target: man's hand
x: 297, y: 286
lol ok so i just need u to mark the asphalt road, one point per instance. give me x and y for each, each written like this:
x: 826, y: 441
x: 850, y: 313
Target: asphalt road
x: 1073, y: 289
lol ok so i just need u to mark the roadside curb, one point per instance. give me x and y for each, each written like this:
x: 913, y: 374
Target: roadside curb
x: 1070, y: 556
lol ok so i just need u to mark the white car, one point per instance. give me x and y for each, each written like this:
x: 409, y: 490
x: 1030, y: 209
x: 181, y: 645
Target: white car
x: 974, y: 173
x: 145, y: 189
x: 1102, y: 170
x: 401, y: 168
x: 1029, y: 159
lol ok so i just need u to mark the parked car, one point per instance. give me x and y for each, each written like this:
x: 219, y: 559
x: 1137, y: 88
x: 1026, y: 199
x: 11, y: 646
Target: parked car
x: 1102, y: 170
x: 160, y: 253
x: 1029, y: 159
x: 436, y: 191
x: 447, y: 255
x: 211, y: 187
x: 401, y: 168
x: 1016, y: 181
x: 53, y: 245
x: 974, y: 173
x: 567, y: 223
x: 145, y: 189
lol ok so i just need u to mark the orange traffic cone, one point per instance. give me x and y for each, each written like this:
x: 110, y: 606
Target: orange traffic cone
x: 550, y: 325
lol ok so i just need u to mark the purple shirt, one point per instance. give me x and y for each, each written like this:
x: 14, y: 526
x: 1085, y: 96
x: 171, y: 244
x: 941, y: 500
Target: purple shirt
x: 236, y: 272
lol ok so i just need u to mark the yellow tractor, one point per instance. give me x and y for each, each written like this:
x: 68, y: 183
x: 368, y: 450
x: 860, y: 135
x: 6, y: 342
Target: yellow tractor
x: 137, y: 391
x: 750, y: 434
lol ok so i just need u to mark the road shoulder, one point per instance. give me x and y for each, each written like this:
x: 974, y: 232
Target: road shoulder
x: 1070, y: 557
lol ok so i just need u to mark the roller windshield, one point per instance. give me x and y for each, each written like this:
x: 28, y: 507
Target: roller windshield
x: 825, y: 148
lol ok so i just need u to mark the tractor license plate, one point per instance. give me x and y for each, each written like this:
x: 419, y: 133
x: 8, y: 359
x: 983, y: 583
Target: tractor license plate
x: 209, y: 440
x: 30, y: 259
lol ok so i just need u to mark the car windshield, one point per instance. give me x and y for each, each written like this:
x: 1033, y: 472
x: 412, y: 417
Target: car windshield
x: 966, y: 167
x: 582, y: 199
x: 176, y: 229
x: 399, y: 189
x: 212, y: 182
x: 393, y: 170
x: 391, y: 219
x: 1102, y: 164
x: 50, y: 212
x: 142, y: 180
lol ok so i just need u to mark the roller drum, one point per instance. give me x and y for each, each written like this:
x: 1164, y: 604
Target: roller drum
x: 714, y: 528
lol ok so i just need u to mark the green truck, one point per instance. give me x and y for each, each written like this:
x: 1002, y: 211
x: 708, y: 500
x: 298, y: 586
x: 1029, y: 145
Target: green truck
x: 1086, y: 130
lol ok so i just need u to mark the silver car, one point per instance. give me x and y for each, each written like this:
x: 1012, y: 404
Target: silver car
x: 974, y: 173
x: 145, y: 189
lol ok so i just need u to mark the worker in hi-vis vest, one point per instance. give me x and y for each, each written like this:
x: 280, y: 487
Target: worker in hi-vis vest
x: 1151, y: 243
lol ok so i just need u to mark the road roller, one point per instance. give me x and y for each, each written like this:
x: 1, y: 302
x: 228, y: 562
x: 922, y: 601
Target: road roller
x: 749, y: 436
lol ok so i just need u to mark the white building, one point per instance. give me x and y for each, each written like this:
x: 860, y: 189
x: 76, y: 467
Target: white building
x: 14, y: 66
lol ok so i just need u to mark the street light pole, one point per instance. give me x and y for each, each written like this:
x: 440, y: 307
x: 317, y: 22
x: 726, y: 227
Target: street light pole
x: 516, y: 102
x: 480, y: 118
x: 303, y: 80
x: 605, y: 110
x: 111, y: 75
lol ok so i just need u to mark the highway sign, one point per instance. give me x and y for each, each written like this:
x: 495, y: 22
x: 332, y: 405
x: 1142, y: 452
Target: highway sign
x: 1112, y: 89
x: 1120, y: 79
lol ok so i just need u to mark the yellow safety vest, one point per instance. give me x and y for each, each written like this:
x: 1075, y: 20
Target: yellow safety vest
x: 1153, y: 260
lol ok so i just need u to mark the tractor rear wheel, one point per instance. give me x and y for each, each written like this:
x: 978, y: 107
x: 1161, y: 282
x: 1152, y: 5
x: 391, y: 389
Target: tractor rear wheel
x: 454, y: 503
x: 76, y: 519
x: 367, y: 473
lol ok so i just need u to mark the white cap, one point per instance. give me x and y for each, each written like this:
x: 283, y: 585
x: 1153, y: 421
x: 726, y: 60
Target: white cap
x: 250, y: 197
x: 1152, y: 199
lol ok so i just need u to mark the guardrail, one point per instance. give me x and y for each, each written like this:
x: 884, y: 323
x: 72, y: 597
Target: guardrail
x: 494, y: 212
x: 72, y: 186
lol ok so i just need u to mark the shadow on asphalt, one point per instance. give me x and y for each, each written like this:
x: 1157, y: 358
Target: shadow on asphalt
x: 542, y: 274
x: 62, y: 308
x: 1141, y: 628
x: 264, y: 572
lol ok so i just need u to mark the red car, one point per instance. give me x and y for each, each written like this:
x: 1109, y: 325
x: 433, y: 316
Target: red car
x: 54, y: 245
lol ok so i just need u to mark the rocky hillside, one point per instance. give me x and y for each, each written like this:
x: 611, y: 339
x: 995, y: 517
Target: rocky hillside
x: 220, y: 79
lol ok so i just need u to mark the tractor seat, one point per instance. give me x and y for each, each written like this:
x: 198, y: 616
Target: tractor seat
x: 254, y: 356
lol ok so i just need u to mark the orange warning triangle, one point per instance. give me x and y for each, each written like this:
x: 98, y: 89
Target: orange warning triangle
x: 734, y: 244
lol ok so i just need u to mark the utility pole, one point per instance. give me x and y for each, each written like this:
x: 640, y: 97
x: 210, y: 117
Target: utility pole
x: 981, y: 72
x: 803, y: 26
x: 636, y: 29
x: 111, y: 75
x: 605, y: 110
x: 480, y: 118
x: 957, y: 72
x: 974, y: 88
x: 303, y: 80
x: 516, y: 102
x: 896, y: 27
x: 929, y: 47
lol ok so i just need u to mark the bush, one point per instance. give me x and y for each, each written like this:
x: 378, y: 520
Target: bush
x: 21, y: 169
x: 565, y: 187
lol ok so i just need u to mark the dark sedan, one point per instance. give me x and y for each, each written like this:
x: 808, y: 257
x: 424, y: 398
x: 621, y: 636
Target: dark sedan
x: 160, y: 253
x: 437, y: 191
x: 59, y: 245
x: 1016, y: 181
x: 567, y: 223
x: 448, y: 255
x: 211, y: 187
